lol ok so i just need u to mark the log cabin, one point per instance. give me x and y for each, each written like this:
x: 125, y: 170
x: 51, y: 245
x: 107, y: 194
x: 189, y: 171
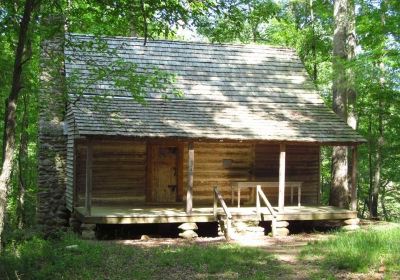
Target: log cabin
x: 243, y: 142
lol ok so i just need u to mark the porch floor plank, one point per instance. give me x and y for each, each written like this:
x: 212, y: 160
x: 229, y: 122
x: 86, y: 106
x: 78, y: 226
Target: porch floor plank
x: 153, y: 214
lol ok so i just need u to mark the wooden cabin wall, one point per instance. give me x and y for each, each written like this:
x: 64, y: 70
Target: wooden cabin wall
x: 119, y: 171
x: 209, y: 170
x: 302, y: 164
x: 259, y: 162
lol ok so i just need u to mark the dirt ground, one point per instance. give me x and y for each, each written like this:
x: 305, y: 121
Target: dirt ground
x: 285, y: 249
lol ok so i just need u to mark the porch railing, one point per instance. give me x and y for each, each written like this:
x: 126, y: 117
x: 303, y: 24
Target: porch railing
x: 226, y: 227
x: 261, y: 194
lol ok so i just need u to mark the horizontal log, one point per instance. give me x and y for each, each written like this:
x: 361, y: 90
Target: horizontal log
x: 128, y: 170
x: 120, y: 192
x: 117, y: 168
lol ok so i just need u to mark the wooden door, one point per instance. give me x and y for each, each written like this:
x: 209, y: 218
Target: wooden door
x: 165, y: 179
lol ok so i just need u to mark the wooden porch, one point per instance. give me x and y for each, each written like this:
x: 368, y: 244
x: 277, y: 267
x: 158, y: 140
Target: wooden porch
x: 158, y: 173
x: 153, y: 214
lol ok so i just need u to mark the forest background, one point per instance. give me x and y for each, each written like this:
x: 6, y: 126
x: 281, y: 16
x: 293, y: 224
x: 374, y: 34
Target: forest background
x: 306, y: 25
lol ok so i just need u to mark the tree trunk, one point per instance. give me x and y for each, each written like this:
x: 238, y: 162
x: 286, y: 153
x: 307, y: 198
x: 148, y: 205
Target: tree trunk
x: 373, y: 207
x: 384, y: 211
x: 142, y: 6
x: 370, y: 150
x: 23, y: 172
x: 351, y: 53
x: 10, y: 119
x: 313, y: 43
x: 350, y: 80
x: 339, y: 195
x: 381, y: 106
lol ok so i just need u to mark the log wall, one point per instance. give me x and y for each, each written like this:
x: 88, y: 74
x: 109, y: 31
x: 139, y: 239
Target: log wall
x: 209, y: 169
x: 119, y: 171
x: 302, y: 164
x: 256, y: 162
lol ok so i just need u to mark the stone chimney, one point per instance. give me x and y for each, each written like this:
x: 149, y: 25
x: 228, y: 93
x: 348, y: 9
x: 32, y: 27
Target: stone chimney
x: 52, y: 214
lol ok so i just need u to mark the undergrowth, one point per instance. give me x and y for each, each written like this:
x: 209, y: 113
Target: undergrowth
x: 360, y: 251
x: 38, y: 258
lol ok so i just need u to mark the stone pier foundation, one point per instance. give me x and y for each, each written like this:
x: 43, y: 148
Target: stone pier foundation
x: 351, y: 224
x: 188, y: 230
x: 281, y: 228
x: 88, y: 231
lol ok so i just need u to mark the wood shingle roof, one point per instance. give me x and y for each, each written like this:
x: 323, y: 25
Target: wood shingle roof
x: 236, y: 92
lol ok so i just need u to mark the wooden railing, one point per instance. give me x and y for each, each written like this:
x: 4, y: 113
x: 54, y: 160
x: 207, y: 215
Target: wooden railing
x: 261, y: 194
x: 226, y: 227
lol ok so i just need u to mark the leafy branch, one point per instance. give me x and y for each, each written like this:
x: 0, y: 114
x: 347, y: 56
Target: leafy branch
x: 100, y: 71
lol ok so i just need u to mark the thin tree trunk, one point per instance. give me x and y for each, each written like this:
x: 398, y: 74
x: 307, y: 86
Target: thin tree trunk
x: 22, y: 163
x: 370, y: 167
x: 142, y: 6
x: 365, y: 205
x: 313, y: 43
x: 384, y: 211
x: 378, y: 165
x: 254, y: 31
x: 377, y: 183
x: 10, y: 119
x: 339, y: 195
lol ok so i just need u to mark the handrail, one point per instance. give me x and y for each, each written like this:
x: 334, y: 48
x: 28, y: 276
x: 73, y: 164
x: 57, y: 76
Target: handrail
x: 260, y: 193
x: 227, y: 226
x: 218, y: 197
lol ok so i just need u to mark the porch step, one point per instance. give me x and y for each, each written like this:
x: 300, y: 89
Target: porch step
x: 245, y: 229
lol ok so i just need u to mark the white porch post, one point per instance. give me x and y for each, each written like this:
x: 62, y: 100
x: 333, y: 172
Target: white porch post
x: 282, y: 164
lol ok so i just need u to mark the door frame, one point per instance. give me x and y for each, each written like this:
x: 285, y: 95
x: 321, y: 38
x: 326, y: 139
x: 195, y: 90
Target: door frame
x: 150, y: 165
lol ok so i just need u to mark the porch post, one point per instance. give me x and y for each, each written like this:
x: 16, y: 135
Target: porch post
x: 189, y: 194
x: 282, y: 163
x: 353, y: 203
x: 88, y: 190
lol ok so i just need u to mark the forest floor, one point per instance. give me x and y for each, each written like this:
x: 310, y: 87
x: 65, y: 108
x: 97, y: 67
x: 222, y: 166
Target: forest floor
x: 288, y: 251
x: 370, y: 253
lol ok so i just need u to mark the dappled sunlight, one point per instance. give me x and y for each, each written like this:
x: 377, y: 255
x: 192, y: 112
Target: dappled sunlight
x: 111, y: 211
x: 157, y: 242
x: 238, y: 92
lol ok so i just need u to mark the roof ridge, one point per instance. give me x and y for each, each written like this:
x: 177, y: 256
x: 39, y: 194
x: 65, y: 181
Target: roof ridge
x: 182, y: 42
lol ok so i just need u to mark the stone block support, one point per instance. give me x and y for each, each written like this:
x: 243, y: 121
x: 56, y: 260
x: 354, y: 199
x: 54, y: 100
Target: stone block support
x: 188, y: 230
x: 281, y: 228
x: 88, y: 231
x: 351, y: 224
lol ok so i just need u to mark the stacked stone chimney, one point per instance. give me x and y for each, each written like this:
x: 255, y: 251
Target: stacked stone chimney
x: 52, y: 214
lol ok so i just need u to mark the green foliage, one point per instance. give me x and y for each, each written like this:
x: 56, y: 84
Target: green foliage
x: 360, y: 251
x: 10, y: 14
x: 86, y: 16
x: 307, y: 26
x: 238, y: 21
x: 303, y: 25
x: 126, y: 17
x: 37, y: 258
x: 377, y: 74
x: 326, y: 162
x: 112, y: 68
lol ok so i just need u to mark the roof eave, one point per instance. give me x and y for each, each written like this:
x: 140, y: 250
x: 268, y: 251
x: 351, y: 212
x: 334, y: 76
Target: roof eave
x: 205, y: 139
